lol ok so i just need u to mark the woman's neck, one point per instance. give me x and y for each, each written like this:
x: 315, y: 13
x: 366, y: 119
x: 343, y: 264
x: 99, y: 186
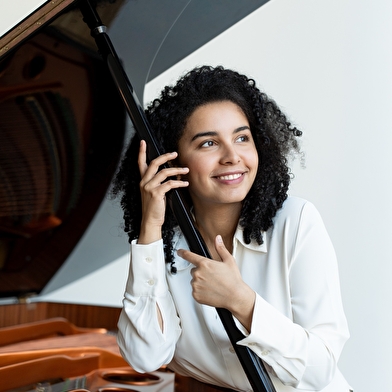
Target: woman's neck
x: 221, y: 220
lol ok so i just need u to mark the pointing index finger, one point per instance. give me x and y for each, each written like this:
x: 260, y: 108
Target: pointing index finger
x: 191, y: 257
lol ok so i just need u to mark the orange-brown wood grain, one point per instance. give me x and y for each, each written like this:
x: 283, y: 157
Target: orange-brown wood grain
x: 86, y: 316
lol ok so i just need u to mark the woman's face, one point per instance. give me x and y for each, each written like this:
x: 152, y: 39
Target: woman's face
x: 218, y: 148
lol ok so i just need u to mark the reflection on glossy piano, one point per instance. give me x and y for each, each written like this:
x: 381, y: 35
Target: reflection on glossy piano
x: 62, y: 127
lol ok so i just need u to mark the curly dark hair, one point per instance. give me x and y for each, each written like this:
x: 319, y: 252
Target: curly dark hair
x: 274, y: 136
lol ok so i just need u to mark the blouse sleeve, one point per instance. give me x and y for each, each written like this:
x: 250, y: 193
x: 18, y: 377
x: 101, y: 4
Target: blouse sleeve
x: 140, y: 338
x: 303, y: 350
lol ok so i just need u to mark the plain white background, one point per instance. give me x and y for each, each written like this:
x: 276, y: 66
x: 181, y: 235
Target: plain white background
x: 11, y: 15
x: 328, y: 64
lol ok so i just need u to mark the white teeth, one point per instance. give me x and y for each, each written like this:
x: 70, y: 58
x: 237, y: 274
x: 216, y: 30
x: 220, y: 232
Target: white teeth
x: 230, y: 177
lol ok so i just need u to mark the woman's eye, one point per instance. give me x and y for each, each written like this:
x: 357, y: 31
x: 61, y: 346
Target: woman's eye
x: 208, y: 143
x: 243, y: 138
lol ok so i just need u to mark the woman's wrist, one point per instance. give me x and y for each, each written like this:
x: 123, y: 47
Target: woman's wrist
x: 149, y: 234
x: 242, y: 308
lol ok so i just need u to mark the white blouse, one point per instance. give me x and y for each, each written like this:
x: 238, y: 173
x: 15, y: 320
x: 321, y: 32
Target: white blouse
x: 298, y: 328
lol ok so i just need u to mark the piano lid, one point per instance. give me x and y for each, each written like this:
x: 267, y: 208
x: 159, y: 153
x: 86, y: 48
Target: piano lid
x: 57, y: 157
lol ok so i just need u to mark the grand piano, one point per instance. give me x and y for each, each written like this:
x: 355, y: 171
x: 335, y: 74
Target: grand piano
x: 58, y: 106
x: 62, y: 131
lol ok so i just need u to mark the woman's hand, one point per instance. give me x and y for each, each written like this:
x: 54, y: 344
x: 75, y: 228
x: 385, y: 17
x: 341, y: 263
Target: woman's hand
x: 154, y: 185
x: 219, y: 283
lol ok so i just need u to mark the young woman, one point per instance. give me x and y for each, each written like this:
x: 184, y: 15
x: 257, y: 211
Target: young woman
x: 272, y: 263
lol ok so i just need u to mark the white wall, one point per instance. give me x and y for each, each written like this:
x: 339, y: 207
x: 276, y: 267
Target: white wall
x: 328, y: 63
x: 11, y: 15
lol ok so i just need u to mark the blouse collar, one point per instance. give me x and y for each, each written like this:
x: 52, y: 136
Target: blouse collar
x: 239, y: 237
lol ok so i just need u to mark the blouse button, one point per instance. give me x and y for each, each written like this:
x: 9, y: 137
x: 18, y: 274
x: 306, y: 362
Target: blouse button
x: 265, y: 352
x: 151, y: 282
x: 148, y: 259
x: 231, y: 349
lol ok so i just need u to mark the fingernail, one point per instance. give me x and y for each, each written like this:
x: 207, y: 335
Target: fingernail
x: 219, y: 238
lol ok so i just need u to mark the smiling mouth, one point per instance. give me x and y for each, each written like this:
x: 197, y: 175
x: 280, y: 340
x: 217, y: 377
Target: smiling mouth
x: 230, y: 177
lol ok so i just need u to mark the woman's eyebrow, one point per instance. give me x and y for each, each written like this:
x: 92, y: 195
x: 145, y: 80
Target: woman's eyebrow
x: 214, y: 133
x: 243, y: 128
x: 204, y: 134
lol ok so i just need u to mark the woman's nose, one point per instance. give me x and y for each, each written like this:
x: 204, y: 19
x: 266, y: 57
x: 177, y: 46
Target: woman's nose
x: 230, y: 155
